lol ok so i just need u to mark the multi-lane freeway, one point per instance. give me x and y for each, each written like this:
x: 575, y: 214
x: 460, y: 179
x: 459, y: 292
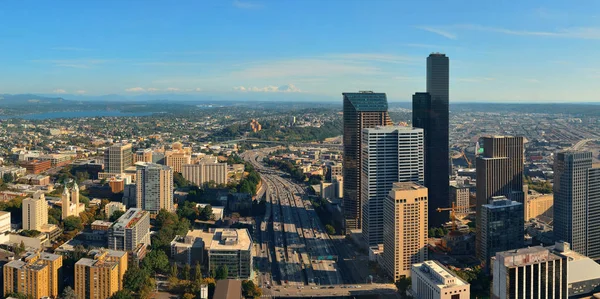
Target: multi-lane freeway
x: 293, y: 244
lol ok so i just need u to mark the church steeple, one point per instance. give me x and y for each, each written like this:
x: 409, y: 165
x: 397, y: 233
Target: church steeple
x: 66, y: 202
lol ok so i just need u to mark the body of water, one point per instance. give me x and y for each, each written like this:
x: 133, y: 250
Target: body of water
x: 75, y: 114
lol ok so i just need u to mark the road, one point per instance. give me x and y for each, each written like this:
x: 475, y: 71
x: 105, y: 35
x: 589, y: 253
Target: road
x: 292, y: 237
x: 338, y: 290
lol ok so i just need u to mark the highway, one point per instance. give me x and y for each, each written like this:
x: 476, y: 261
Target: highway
x: 292, y: 239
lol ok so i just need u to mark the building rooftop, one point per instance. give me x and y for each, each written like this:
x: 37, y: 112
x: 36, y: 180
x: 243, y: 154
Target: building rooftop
x: 498, y: 202
x: 438, y: 274
x: 580, y: 268
x: 398, y: 186
x: 387, y: 129
x: 367, y: 101
x: 130, y: 218
x: 228, y: 289
x: 230, y: 239
x: 525, y: 256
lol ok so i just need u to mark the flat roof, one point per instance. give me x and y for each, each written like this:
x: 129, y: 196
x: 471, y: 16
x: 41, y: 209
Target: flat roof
x: 406, y: 186
x: 129, y: 216
x: 437, y: 273
x: 525, y: 256
x: 391, y: 129
x: 222, y: 235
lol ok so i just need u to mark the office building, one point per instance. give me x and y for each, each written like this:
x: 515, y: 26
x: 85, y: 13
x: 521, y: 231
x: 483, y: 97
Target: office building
x: 131, y: 229
x: 101, y: 276
x: 430, y: 112
x: 332, y: 170
x: 112, y: 207
x: 362, y: 110
x: 37, y: 275
x: 577, y: 202
x: 502, y: 227
x: 37, y: 166
x: 35, y: 212
x: 460, y: 197
x: 539, y: 206
x: 143, y: 155
x: 499, y: 173
x: 231, y: 248
x: 206, y: 170
x: 70, y: 202
x: 4, y: 222
x: 405, y: 229
x: 154, y: 187
x: 176, y: 160
x: 431, y: 280
x: 529, y: 273
x: 117, y: 158
x: 389, y: 154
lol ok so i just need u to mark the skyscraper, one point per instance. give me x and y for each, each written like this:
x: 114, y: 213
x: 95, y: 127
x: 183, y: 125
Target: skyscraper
x: 364, y: 109
x: 499, y: 173
x: 154, y: 187
x: 117, y: 157
x: 577, y: 202
x: 404, y: 229
x: 501, y: 227
x: 389, y: 154
x: 431, y: 113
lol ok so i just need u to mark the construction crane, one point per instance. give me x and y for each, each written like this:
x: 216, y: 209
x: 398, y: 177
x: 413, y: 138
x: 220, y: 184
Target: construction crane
x: 462, y: 153
x: 453, y: 210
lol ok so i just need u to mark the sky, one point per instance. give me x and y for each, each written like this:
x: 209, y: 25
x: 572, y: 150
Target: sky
x: 500, y: 51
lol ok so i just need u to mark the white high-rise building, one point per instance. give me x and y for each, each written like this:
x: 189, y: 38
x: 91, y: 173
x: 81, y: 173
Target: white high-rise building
x: 154, y: 187
x: 431, y: 280
x: 389, y: 154
x: 35, y: 212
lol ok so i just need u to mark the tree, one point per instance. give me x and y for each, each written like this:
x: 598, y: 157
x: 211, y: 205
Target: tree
x: 197, y: 271
x: 18, y: 250
x: 115, y: 215
x: 122, y: 294
x: 174, y: 271
x: 222, y: 272
x: 135, y: 278
x: 8, y: 178
x: 206, y: 213
x: 188, y: 296
x: 403, y: 285
x: 179, y: 180
x: 186, y: 271
x: 156, y: 261
x: 68, y: 293
x: 330, y: 229
x: 73, y: 223
x: 249, y: 289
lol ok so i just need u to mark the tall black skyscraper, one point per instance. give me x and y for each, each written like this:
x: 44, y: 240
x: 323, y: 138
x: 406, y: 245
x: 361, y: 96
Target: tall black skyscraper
x: 430, y: 112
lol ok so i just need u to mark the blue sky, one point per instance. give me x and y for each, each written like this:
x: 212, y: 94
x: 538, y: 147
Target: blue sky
x: 500, y: 51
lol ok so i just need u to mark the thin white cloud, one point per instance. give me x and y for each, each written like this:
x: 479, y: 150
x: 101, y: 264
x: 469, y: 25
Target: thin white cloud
x: 59, y: 90
x: 378, y: 57
x: 72, y: 63
x: 270, y: 88
x: 81, y: 91
x: 305, y: 67
x: 438, y: 31
x: 246, y: 4
x: 475, y: 79
x: 198, y: 89
x: 574, y: 32
x: 172, y: 89
x: 135, y: 89
x: 75, y: 49
x: 152, y: 89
